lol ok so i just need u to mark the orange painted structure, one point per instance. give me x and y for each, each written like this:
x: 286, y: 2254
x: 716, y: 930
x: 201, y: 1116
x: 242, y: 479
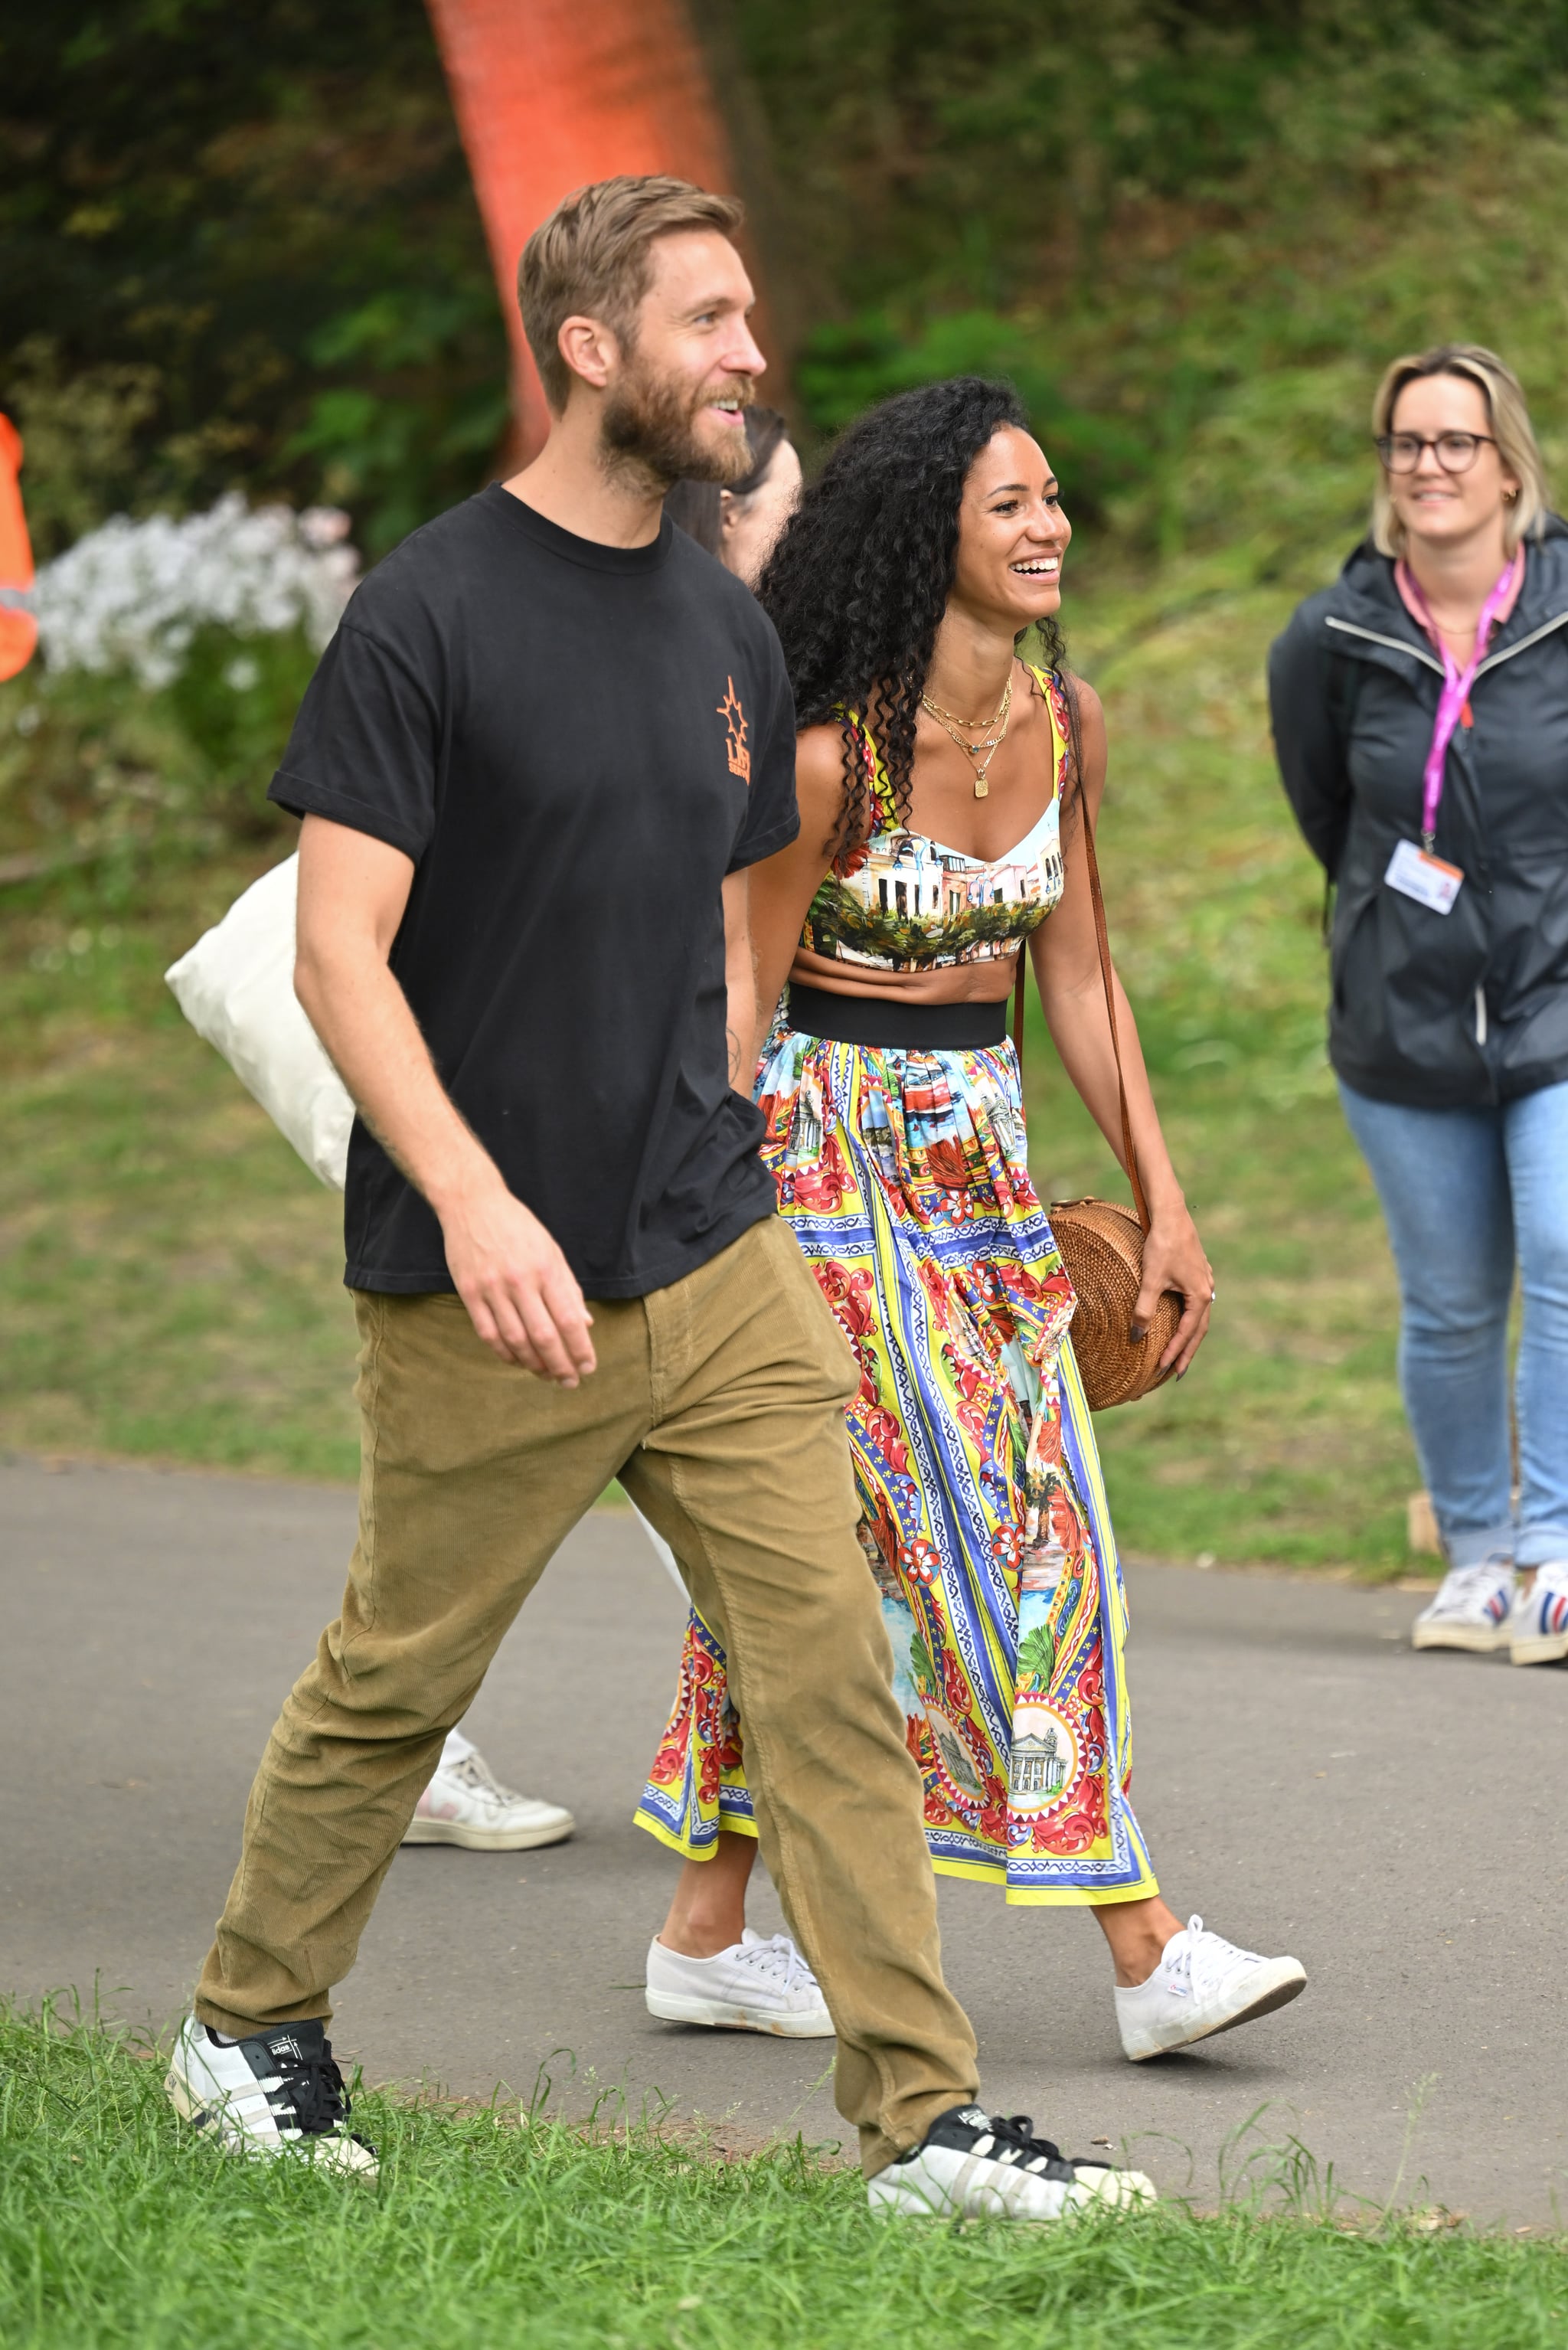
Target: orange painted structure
x: 18, y: 629
x: 549, y: 94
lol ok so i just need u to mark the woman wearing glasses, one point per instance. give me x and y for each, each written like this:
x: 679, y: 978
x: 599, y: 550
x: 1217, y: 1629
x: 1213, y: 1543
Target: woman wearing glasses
x: 1420, y: 714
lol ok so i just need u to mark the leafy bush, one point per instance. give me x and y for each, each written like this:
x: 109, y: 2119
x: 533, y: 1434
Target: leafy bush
x: 239, y: 248
x: 845, y: 368
x: 173, y: 655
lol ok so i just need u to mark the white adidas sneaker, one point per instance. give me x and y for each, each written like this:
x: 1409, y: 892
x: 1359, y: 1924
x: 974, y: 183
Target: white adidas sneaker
x: 1470, y: 1610
x: 275, y: 2093
x: 1537, y: 1628
x: 755, y: 1985
x: 1202, y: 1984
x: 974, y: 2165
x: 466, y: 1804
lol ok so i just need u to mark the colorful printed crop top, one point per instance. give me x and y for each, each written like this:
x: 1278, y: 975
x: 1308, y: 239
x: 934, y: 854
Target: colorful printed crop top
x: 903, y: 901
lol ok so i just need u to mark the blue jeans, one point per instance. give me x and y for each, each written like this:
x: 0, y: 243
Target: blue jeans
x: 1465, y: 1193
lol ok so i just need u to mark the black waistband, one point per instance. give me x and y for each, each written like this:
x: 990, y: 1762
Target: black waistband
x: 881, y: 1020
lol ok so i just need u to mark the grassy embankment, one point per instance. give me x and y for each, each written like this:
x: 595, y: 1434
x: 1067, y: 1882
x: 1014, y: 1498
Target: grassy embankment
x: 1193, y: 243
x: 168, y: 1281
x: 117, y: 2233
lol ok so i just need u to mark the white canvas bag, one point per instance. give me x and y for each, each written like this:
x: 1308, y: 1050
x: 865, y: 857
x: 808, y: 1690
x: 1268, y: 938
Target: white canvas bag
x: 236, y: 987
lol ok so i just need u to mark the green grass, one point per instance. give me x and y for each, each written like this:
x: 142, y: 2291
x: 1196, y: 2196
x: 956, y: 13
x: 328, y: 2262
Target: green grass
x: 1286, y: 1441
x: 170, y: 1274
x: 494, y: 2226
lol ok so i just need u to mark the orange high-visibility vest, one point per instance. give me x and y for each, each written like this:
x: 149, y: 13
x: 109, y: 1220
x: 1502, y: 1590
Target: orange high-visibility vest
x: 18, y: 629
x: 550, y: 94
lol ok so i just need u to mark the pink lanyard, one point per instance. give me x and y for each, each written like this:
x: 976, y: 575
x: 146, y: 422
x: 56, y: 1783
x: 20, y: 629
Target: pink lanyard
x: 1456, y: 692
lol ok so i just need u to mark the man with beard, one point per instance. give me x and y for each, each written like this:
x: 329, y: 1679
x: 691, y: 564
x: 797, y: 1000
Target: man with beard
x: 548, y: 739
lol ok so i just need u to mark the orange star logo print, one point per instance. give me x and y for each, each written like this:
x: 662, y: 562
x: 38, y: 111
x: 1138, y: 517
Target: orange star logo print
x: 735, y: 744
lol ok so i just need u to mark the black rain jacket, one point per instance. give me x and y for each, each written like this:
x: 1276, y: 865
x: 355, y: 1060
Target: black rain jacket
x: 1439, y: 1011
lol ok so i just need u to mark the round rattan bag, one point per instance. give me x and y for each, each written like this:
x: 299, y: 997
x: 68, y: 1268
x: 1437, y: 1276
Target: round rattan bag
x: 1101, y: 1248
x: 1101, y: 1243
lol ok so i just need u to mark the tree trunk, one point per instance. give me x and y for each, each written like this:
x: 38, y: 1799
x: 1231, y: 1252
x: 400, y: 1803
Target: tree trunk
x: 550, y: 94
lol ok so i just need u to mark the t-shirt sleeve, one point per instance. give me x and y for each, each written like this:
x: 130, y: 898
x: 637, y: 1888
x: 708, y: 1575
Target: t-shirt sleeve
x: 365, y: 745
x: 773, y: 819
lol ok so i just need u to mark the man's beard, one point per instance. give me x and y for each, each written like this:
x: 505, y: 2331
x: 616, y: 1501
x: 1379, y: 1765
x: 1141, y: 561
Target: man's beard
x: 647, y: 427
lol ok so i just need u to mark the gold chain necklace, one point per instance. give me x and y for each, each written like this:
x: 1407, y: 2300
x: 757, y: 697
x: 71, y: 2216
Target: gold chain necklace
x: 991, y: 736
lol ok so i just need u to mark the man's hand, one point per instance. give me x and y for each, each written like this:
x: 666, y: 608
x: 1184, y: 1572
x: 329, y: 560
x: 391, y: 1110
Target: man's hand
x: 520, y: 1293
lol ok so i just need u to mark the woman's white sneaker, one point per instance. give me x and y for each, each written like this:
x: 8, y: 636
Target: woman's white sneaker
x: 1537, y: 1632
x: 1470, y: 1610
x: 1202, y: 1984
x: 466, y: 1804
x: 275, y: 2093
x: 974, y: 2165
x: 755, y: 1985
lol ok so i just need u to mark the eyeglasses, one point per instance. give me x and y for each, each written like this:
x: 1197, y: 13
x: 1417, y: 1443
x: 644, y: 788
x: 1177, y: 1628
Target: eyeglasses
x: 1455, y: 451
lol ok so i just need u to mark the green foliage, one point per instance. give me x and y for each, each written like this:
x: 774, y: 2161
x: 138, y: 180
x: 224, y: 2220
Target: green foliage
x: 845, y: 369
x: 1192, y: 234
x: 491, y: 2226
x: 239, y: 247
x: 102, y: 770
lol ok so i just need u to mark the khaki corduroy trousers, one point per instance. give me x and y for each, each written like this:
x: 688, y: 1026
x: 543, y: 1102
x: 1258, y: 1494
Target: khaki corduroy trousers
x: 718, y: 1401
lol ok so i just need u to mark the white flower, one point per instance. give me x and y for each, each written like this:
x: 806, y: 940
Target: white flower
x: 133, y: 593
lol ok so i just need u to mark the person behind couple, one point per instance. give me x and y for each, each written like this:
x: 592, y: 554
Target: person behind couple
x: 740, y: 522
x: 943, y: 785
x: 523, y: 939
x: 1420, y: 714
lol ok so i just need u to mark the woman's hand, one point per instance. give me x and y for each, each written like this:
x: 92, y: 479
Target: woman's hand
x: 1173, y: 1258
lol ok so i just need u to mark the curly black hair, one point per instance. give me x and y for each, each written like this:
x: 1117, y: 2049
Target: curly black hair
x: 858, y: 582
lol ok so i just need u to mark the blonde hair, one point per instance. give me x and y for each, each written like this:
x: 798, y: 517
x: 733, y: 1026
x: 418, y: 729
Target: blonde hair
x: 591, y: 257
x: 1508, y: 418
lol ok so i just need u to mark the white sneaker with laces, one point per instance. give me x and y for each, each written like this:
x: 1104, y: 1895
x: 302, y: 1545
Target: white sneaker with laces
x: 1537, y: 1631
x: 1470, y: 1611
x: 755, y: 1985
x: 1202, y: 1984
x: 277, y: 2093
x: 972, y: 2165
x: 466, y: 1804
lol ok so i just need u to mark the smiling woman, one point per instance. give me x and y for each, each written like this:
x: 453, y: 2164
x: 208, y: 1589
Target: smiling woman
x: 1421, y: 716
x: 933, y: 540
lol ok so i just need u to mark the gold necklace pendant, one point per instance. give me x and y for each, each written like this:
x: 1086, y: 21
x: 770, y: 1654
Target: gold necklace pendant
x: 991, y: 736
x: 991, y: 741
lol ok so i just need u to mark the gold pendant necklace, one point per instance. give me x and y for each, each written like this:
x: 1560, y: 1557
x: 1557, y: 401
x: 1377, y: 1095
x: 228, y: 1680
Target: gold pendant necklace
x: 991, y: 737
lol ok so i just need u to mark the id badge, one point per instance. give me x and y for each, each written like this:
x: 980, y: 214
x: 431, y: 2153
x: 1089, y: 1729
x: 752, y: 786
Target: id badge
x: 1415, y: 873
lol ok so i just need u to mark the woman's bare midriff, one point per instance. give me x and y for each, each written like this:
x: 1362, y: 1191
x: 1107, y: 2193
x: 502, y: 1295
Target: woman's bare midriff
x: 987, y: 981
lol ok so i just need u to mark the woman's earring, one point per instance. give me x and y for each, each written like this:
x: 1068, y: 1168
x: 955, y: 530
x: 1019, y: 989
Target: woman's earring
x: 1510, y: 497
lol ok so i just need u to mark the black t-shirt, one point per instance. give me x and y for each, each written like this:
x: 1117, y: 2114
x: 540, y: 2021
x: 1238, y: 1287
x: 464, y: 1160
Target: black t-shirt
x: 575, y: 744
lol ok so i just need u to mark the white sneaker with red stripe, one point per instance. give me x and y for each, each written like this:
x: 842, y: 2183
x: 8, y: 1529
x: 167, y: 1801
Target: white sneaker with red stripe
x: 466, y: 1804
x: 1470, y: 1610
x: 1537, y: 1630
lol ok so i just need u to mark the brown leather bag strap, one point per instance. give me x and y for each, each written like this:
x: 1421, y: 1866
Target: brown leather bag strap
x: 1102, y: 941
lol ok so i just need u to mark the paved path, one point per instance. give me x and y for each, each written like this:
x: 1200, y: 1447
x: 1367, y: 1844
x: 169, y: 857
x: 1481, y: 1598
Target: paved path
x: 1305, y: 1781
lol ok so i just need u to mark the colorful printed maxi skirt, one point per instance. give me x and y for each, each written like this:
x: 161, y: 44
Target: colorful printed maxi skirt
x: 983, y: 1520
